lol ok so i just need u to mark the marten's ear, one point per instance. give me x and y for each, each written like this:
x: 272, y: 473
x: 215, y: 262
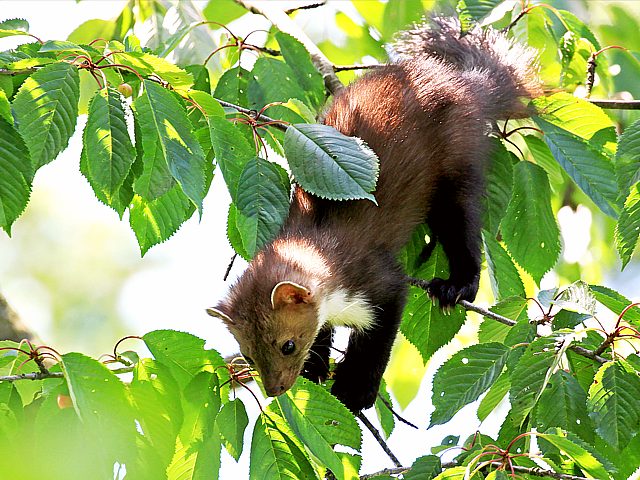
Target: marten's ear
x: 217, y: 313
x: 287, y: 293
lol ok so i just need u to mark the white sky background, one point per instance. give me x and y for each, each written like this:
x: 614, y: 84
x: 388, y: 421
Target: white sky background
x: 175, y: 281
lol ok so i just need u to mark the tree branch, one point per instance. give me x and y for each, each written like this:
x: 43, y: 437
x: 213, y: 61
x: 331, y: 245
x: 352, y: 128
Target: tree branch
x: 282, y: 22
x: 309, y: 6
x: 616, y: 104
x: 11, y: 327
x: 47, y: 374
x: 534, y: 471
x: 379, y: 438
x: 424, y: 285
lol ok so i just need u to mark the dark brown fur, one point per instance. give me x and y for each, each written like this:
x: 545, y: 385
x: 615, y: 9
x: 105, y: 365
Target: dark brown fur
x: 426, y: 117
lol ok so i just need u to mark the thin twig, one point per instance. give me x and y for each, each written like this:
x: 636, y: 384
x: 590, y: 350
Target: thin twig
x: 616, y: 104
x: 379, y: 438
x: 43, y: 376
x: 395, y: 414
x: 226, y: 273
x: 254, y: 114
x: 344, y: 68
x: 424, y: 284
x: 309, y: 6
x: 8, y: 71
x: 535, y: 471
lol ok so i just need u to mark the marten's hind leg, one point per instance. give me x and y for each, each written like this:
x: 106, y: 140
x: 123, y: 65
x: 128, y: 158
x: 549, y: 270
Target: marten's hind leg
x: 454, y: 218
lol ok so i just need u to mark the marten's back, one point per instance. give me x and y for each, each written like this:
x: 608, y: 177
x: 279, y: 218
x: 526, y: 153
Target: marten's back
x: 415, y: 115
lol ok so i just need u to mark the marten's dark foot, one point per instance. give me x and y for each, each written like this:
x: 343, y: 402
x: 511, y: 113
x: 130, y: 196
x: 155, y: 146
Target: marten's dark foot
x: 316, y: 371
x: 354, y: 392
x: 450, y: 292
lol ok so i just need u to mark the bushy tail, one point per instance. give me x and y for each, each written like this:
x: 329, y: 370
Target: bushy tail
x: 503, y: 71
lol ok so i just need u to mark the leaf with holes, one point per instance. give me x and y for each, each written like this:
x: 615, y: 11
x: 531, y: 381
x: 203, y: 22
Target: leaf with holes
x: 274, y: 455
x: 531, y: 375
x: 536, y: 248
x: 108, y: 150
x: 46, y: 109
x: 563, y: 404
x: 307, y: 75
x: 320, y: 421
x: 232, y: 86
x: 329, y: 164
x: 464, y: 377
x: 614, y: 403
x: 628, y: 226
x: 424, y: 324
x: 262, y: 202
x: 17, y: 175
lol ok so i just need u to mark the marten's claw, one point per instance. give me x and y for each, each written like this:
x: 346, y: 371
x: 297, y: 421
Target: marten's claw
x: 449, y: 293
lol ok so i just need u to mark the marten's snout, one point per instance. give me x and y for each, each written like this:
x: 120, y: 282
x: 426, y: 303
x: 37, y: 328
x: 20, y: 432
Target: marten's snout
x: 275, y: 390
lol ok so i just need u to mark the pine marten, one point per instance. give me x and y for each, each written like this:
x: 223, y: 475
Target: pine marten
x: 427, y: 117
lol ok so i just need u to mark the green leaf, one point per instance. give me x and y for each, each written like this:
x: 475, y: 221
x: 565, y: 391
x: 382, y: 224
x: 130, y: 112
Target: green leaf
x: 197, y: 454
x: 499, y: 185
x: 223, y: 11
x: 109, y: 152
x: 308, y: 77
x: 514, y: 308
x: 232, y: 151
x: 494, y: 396
x: 592, y: 171
x: 577, y: 297
x: 531, y: 375
x: 505, y: 278
x: 5, y: 108
x: 585, y: 460
x: 155, y: 221
x: 470, y: 12
x: 385, y: 416
x: 13, y: 27
x: 536, y: 248
x: 233, y: 233
x: 101, y: 402
x: 17, y: 175
x: 61, y: 46
x: 92, y: 29
x: 274, y: 455
x: 542, y: 156
x: 424, y: 468
x: 464, y: 377
x: 614, y: 403
x: 320, y: 421
x: 232, y: 86
x: 424, y: 324
x: 329, y: 164
x: 272, y: 80
x: 628, y: 226
x: 46, y: 109
x: 262, y: 202
x: 563, y: 404
x: 183, y: 353
x: 399, y: 14
x: 232, y: 422
x: 628, y: 159
x: 169, y: 146
x: 147, y: 64
x: 616, y: 303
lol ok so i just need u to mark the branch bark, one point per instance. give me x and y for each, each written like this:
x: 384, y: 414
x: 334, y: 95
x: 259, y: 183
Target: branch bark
x: 11, y: 327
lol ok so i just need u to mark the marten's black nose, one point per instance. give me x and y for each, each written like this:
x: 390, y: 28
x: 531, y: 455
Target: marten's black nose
x: 275, y: 390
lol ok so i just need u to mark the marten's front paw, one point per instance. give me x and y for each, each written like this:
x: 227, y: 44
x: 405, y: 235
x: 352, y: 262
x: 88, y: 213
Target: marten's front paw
x: 315, y: 369
x: 449, y: 292
x: 354, y: 395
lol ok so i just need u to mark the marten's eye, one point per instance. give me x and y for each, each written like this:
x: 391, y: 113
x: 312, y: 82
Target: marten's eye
x: 288, y: 347
x: 248, y: 359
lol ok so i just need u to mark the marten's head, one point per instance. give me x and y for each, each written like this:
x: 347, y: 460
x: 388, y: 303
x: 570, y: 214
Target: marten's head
x: 274, y: 335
